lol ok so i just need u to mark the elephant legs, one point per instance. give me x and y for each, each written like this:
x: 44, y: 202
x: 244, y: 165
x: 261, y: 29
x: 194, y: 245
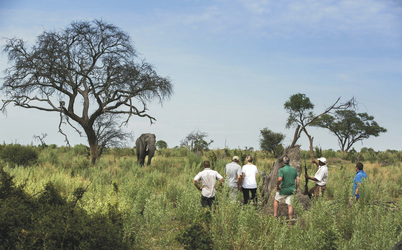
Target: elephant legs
x: 149, y: 160
x: 141, y: 158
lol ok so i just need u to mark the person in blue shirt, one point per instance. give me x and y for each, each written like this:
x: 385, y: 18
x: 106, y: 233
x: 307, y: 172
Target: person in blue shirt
x: 357, y: 181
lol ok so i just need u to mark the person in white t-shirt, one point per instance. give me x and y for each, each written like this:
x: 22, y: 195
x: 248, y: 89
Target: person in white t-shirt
x: 208, y: 177
x: 249, y: 180
x: 320, y: 178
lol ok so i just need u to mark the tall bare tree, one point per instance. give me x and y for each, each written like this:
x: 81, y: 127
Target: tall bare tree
x: 82, y: 72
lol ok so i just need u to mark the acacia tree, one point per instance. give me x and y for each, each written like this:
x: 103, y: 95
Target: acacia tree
x: 195, y: 141
x: 270, y: 142
x: 350, y: 127
x: 82, y: 72
x: 300, y: 110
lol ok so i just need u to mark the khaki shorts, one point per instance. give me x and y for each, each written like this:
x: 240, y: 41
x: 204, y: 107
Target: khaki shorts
x: 288, y: 198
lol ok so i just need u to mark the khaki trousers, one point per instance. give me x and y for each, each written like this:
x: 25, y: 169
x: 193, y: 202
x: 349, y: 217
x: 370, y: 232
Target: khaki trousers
x: 316, y: 190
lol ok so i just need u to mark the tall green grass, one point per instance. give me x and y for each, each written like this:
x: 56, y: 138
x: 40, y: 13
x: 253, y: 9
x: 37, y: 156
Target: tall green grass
x: 159, y: 202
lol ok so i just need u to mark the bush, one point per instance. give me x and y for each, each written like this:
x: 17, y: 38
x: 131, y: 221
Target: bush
x: 48, y: 220
x: 197, y: 235
x: 15, y: 154
x: 81, y: 149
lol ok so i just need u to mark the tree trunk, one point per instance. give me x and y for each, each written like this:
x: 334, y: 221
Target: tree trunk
x: 93, y: 144
x: 268, y: 188
x: 310, y: 138
x: 296, y: 136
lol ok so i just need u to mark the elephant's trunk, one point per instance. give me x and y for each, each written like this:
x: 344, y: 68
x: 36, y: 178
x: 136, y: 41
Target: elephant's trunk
x: 151, y: 152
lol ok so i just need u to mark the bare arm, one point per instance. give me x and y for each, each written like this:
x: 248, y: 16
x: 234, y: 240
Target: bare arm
x: 220, y: 182
x: 196, y: 185
x: 278, y: 183
x: 243, y: 175
x: 297, y: 182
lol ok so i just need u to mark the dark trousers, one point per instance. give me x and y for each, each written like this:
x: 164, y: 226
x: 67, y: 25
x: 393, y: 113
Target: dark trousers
x: 246, y: 195
x: 205, y: 201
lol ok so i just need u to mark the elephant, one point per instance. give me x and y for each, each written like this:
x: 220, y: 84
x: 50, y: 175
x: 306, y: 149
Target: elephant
x: 145, y: 145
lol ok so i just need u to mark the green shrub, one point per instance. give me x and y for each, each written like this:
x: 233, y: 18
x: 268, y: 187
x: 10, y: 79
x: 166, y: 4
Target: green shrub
x: 194, y: 160
x: 317, y: 152
x: 81, y: 149
x: 15, y: 154
x: 197, y: 235
x: 49, y: 221
x: 329, y: 153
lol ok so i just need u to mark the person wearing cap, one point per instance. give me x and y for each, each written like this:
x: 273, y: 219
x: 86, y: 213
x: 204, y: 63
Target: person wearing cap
x: 286, y: 186
x: 233, y: 176
x: 320, y: 177
x: 249, y: 180
x: 208, y: 177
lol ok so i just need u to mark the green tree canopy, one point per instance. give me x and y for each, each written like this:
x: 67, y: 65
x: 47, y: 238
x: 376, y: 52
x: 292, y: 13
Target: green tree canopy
x: 161, y: 144
x: 350, y: 127
x: 270, y: 142
x: 300, y: 110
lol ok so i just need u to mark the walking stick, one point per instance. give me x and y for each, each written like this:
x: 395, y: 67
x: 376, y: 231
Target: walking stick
x: 306, y: 192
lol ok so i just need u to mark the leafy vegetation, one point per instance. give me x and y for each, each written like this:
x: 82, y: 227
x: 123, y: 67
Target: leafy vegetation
x: 16, y: 154
x: 65, y: 202
x: 301, y: 115
x: 160, y: 144
x: 270, y: 142
x: 49, y: 220
x: 350, y: 127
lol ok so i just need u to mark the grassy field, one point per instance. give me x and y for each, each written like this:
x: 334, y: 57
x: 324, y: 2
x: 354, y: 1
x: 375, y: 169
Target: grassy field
x: 160, y: 207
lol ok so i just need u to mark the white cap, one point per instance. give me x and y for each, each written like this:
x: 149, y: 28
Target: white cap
x: 235, y: 158
x: 322, y: 159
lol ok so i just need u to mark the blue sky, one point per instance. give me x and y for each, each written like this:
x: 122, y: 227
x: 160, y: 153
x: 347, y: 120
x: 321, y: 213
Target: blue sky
x: 234, y: 63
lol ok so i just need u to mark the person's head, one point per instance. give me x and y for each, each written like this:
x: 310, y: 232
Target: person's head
x: 286, y: 160
x: 359, y: 166
x: 207, y: 164
x: 322, y: 161
x: 235, y: 159
x: 249, y: 158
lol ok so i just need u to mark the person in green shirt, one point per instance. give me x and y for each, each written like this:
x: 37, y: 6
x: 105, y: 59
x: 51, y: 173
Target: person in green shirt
x: 286, y: 186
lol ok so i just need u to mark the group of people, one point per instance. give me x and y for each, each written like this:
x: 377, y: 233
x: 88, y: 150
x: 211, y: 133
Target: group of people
x: 244, y: 179
x: 238, y: 178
